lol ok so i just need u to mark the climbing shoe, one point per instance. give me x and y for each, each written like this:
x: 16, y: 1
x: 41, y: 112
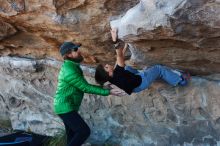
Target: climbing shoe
x: 185, y: 76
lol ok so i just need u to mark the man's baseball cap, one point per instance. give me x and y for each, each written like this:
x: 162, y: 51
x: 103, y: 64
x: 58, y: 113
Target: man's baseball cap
x: 68, y: 46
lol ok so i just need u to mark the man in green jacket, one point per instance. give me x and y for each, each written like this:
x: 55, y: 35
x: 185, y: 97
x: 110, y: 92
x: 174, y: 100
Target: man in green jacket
x: 69, y: 94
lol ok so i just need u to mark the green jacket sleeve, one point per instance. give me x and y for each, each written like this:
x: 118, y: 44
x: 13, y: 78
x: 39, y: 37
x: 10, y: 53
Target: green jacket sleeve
x: 76, y: 79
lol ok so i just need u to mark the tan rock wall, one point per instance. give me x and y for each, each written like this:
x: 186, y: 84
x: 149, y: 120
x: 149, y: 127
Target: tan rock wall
x: 180, y: 33
x: 160, y: 115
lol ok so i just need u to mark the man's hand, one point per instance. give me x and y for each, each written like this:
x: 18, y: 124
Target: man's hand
x: 117, y: 92
x: 114, y: 33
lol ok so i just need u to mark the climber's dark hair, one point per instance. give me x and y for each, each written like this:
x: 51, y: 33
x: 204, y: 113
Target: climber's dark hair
x: 101, y: 76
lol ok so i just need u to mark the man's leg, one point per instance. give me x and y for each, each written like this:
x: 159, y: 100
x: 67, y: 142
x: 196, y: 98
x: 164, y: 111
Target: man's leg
x: 69, y: 133
x: 78, y: 126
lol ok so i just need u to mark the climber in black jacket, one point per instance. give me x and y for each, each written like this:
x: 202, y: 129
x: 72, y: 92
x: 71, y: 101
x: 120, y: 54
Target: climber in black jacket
x: 131, y: 80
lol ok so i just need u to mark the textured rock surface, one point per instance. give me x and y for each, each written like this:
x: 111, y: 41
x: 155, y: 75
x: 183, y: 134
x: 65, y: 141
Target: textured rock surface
x: 162, y: 115
x: 179, y: 33
x: 43, y: 25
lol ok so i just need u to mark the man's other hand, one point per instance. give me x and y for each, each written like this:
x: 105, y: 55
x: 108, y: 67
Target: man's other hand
x: 117, y: 92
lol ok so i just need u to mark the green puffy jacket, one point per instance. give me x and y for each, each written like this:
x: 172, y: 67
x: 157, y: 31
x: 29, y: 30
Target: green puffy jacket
x: 71, y: 88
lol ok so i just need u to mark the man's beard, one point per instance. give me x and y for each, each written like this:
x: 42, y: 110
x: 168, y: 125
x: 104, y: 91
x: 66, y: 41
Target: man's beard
x: 78, y: 59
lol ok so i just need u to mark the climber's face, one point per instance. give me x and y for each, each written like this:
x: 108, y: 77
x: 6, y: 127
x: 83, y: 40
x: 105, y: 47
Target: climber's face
x: 109, y: 68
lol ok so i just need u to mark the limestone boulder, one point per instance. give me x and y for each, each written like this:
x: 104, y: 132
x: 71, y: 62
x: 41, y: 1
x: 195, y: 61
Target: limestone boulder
x: 178, y: 33
x: 160, y: 115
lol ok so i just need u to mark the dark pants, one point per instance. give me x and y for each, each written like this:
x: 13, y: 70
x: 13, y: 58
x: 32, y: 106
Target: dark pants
x: 76, y: 129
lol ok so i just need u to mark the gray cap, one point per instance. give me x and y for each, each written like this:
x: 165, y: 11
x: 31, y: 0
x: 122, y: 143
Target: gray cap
x: 68, y: 46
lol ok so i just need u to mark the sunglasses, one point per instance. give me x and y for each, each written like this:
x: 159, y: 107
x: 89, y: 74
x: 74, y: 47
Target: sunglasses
x: 75, y: 49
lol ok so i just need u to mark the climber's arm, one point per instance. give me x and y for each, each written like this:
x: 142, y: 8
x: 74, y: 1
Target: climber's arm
x: 124, y: 49
x: 120, y: 58
x: 120, y: 48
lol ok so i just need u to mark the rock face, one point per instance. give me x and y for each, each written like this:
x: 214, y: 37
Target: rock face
x: 43, y: 25
x: 161, y: 115
x: 179, y: 33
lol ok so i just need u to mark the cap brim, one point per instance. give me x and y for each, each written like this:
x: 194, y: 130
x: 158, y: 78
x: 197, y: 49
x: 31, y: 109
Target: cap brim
x: 77, y: 46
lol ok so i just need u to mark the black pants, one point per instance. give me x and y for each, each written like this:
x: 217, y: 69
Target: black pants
x: 76, y: 129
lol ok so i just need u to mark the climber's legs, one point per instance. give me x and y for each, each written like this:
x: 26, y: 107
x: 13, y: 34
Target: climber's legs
x: 149, y: 75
